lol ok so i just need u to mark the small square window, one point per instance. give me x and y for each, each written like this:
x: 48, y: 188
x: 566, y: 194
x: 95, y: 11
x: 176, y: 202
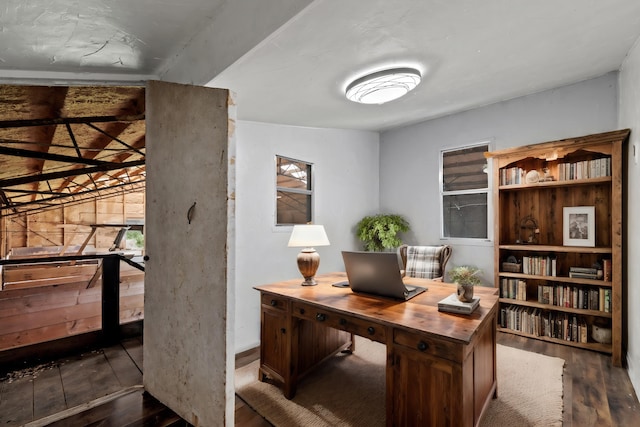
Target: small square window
x: 293, y: 191
x: 464, y: 189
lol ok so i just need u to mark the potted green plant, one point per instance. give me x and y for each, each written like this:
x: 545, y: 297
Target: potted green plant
x: 380, y: 232
x: 466, y: 277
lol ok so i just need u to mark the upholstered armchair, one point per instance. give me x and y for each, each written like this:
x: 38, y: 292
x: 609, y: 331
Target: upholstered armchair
x: 426, y: 262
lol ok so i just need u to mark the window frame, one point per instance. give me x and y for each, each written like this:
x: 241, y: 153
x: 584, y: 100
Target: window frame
x: 467, y: 240
x: 309, y: 192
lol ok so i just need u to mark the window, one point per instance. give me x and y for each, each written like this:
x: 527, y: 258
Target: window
x: 464, y: 188
x: 293, y: 191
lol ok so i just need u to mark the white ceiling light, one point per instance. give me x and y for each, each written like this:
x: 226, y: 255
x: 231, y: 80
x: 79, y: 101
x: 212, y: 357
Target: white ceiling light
x: 383, y: 86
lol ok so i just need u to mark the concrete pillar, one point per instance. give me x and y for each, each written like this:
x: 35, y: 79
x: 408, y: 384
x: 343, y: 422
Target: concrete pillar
x: 188, y: 342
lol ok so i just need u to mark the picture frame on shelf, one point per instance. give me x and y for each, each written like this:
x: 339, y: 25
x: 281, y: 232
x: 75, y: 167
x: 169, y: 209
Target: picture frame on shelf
x: 578, y: 226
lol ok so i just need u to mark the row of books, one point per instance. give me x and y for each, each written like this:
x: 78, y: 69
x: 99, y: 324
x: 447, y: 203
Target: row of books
x: 547, y: 266
x: 584, y: 169
x: 535, y: 321
x: 539, y: 265
x: 509, y: 176
x: 513, y: 288
x: 580, y: 297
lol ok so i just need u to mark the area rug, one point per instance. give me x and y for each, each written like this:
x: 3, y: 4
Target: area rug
x: 348, y: 390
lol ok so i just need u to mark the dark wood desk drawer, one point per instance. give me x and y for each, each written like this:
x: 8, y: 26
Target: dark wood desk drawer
x: 274, y: 301
x: 436, y: 347
x: 335, y: 320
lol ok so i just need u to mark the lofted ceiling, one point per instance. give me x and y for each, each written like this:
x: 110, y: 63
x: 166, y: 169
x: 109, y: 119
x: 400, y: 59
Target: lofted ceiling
x: 288, y: 61
x: 69, y: 144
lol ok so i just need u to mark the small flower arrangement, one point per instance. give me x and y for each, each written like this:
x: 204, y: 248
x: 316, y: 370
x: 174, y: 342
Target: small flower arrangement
x: 465, y: 275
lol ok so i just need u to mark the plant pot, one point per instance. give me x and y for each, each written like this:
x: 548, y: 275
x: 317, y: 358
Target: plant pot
x: 465, y: 292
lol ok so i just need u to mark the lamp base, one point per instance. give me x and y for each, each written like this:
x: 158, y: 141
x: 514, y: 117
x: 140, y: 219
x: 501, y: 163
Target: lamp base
x: 308, y: 263
x: 311, y: 281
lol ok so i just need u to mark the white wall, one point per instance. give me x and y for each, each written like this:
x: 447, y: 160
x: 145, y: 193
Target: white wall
x: 630, y: 118
x: 409, y: 156
x: 345, y: 177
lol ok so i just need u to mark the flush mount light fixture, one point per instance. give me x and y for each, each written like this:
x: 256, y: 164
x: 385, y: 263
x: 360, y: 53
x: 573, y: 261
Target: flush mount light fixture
x: 383, y: 86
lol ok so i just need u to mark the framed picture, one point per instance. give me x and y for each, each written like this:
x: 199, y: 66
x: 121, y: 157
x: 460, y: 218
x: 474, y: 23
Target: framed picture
x: 578, y: 226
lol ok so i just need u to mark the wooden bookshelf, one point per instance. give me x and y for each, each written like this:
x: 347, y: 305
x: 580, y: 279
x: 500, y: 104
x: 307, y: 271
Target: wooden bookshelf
x: 533, y: 185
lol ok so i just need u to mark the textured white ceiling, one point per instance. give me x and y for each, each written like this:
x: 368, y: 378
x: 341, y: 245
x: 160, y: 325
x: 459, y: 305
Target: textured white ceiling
x: 97, y: 36
x: 471, y: 53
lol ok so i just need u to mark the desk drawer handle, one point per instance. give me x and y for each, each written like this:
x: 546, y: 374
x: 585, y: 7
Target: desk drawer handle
x: 283, y: 330
x: 274, y: 303
x: 302, y: 311
x: 321, y: 317
x: 422, y: 346
x: 343, y: 322
x: 371, y: 330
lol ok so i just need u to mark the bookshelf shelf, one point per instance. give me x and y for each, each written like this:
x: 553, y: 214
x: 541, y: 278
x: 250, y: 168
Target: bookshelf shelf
x: 533, y: 185
x: 560, y: 279
x: 602, y: 348
x: 564, y: 183
x: 553, y: 248
x: 535, y: 304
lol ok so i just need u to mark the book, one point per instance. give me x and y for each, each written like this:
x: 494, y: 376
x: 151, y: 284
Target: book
x: 452, y: 304
x: 577, y: 275
x: 583, y: 270
x: 606, y: 266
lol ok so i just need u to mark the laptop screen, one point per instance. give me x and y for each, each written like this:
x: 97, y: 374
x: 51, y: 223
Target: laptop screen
x: 375, y: 273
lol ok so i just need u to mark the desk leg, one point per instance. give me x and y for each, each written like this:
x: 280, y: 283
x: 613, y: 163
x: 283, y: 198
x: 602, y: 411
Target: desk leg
x: 389, y: 380
x: 352, y: 347
x: 292, y: 358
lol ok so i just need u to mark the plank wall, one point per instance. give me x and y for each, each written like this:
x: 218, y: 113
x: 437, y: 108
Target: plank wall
x: 40, y: 303
x: 69, y: 224
x: 36, y: 306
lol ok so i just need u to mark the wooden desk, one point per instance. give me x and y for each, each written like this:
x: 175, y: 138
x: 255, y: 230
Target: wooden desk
x: 441, y: 367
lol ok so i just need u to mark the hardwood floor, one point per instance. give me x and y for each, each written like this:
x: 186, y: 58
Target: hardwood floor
x: 100, y: 387
x: 595, y: 393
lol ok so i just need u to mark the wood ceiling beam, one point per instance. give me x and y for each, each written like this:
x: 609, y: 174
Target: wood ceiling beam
x: 45, y: 103
x: 71, y: 147
x: 137, y: 185
x: 69, y: 120
x: 18, y: 191
x: 67, y: 173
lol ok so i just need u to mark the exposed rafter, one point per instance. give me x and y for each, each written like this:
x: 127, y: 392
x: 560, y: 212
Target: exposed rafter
x: 64, y: 144
x: 47, y: 156
x: 67, y: 173
x: 76, y: 197
x: 68, y: 120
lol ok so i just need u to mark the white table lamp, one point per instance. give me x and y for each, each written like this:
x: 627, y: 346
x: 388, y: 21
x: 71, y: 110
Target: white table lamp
x: 307, y: 236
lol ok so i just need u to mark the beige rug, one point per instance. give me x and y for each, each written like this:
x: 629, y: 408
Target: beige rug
x: 349, y: 391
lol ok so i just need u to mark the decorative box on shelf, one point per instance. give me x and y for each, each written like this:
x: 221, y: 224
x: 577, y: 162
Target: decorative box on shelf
x: 511, y: 267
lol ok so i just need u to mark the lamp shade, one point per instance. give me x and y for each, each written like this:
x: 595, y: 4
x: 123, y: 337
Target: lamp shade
x: 307, y: 235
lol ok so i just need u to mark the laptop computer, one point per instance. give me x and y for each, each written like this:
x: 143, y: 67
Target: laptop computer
x: 377, y: 273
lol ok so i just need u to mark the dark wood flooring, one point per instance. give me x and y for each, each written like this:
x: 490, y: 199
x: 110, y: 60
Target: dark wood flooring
x: 55, y: 393
x: 595, y: 393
